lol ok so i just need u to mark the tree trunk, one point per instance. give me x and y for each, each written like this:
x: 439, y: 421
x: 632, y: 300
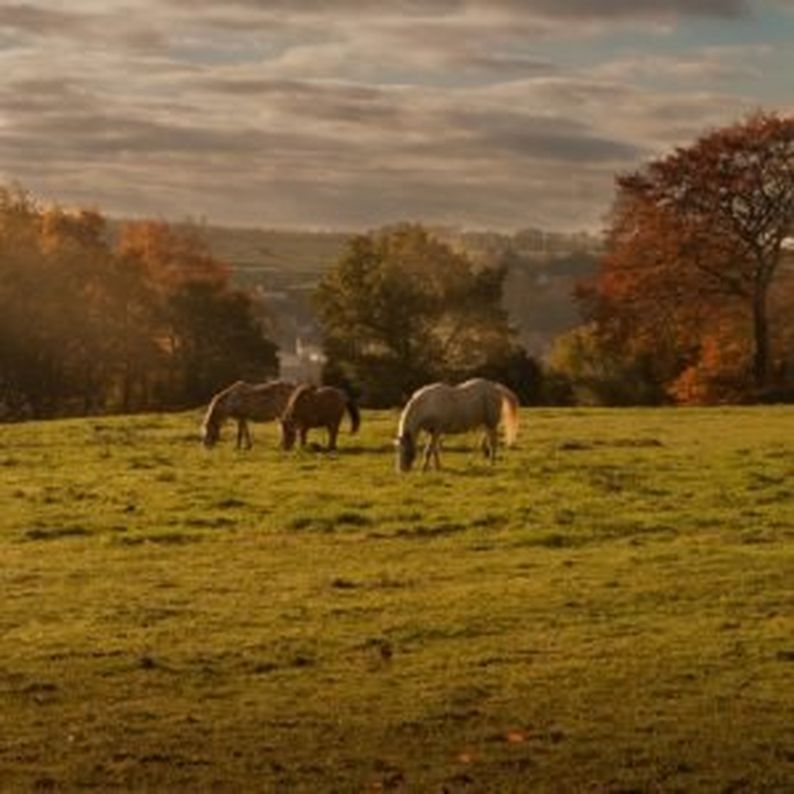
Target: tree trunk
x: 760, y: 339
x: 126, y: 386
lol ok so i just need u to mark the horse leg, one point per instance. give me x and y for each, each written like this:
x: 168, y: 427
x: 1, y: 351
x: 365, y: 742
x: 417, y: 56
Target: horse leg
x: 431, y: 451
x: 239, y: 433
x: 246, y: 434
x: 493, y: 440
x: 427, y: 453
x: 436, y: 448
x: 304, y: 431
x: 333, y: 432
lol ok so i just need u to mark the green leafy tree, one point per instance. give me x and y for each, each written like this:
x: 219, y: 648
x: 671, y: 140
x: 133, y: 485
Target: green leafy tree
x: 217, y: 340
x: 583, y: 369
x: 402, y: 308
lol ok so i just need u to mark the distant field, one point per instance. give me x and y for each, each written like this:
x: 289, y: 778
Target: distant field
x: 285, y: 252
x: 607, y: 609
x: 537, y: 295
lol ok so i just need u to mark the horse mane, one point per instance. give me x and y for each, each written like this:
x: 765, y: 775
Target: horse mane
x: 224, y: 394
x: 219, y: 399
x: 296, y: 395
x: 415, y: 397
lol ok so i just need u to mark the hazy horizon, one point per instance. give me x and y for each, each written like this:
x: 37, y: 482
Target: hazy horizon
x: 336, y: 117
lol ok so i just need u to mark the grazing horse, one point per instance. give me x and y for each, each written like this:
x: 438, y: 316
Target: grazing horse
x: 261, y: 402
x: 313, y: 406
x: 439, y: 408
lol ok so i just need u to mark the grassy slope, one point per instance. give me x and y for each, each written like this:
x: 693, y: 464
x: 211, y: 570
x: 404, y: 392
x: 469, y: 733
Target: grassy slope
x: 608, y: 608
x: 292, y: 252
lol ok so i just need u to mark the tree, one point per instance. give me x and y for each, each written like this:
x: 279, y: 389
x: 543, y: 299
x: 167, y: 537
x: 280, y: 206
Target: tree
x: 582, y: 369
x: 208, y: 331
x: 402, y: 308
x: 19, y: 265
x: 52, y: 264
x: 217, y: 340
x: 695, y: 244
x: 85, y: 325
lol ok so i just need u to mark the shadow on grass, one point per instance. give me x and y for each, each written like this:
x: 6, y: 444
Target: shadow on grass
x: 56, y: 533
x: 343, y: 449
x: 429, y: 531
x: 342, y: 520
x: 159, y: 538
x: 575, y: 445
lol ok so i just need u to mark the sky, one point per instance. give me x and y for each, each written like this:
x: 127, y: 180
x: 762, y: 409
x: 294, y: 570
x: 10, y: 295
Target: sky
x: 348, y: 114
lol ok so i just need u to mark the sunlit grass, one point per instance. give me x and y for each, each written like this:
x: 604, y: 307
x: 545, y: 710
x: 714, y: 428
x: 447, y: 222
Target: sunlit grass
x: 609, y: 608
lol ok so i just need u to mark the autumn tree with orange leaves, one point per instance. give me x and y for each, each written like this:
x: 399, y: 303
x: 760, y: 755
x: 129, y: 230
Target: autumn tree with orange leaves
x: 93, y: 319
x: 697, y: 271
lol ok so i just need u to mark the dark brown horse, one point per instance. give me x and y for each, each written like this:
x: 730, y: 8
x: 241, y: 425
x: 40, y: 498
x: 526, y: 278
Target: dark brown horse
x: 262, y: 402
x: 313, y: 406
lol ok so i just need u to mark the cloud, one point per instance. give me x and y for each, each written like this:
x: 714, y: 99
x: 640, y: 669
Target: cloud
x: 511, y: 134
x: 42, y: 21
x: 627, y: 8
x: 608, y: 8
x: 481, y: 112
x: 706, y: 65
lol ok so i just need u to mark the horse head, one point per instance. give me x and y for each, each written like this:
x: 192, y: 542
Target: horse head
x: 406, y: 452
x: 288, y: 433
x: 210, y: 432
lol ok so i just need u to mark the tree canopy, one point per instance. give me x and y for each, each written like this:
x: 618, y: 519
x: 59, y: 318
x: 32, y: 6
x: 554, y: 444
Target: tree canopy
x: 695, y: 267
x: 91, y: 320
x: 401, y: 308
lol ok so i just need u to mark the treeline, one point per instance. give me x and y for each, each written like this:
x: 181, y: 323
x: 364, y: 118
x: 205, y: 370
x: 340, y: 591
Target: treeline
x: 143, y: 319
x: 693, y: 301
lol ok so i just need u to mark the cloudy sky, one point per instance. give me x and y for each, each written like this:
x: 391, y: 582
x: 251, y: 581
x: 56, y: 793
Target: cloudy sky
x: 353, y: 113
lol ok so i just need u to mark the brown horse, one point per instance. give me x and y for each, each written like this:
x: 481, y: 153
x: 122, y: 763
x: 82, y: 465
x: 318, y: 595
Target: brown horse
x: 312, y: 406
x: 243, y: 401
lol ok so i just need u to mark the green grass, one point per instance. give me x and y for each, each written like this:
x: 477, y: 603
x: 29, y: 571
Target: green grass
x: 607, y: 609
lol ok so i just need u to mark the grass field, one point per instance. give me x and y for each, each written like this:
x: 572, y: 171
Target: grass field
x: 607, y: 609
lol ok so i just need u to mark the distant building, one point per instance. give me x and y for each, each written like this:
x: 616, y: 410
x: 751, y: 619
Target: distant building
x: 304, y: 364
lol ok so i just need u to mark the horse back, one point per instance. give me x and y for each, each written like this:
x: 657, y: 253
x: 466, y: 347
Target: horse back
x: 312, y: 406
x: 331, y: 403
x: 442, y: 408
x: 261, y: 402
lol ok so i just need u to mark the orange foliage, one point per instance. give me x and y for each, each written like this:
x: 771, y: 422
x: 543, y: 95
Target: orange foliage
x: 693, y: 268
x: 171, y: 255
x: 720, y: 373
x: 86, y: 326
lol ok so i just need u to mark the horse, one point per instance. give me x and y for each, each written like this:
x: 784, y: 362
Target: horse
x: 440, y: 408
x: 313, y: 406
x: 261, y: 402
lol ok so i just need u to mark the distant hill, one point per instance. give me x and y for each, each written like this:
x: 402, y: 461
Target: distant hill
x: 284, y: 267
x: 288, y: 254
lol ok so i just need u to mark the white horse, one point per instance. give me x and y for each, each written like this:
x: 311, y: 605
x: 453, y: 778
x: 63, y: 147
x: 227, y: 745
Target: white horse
x: 439, y: 408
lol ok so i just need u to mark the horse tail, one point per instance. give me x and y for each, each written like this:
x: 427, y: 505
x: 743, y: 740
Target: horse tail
x: 509, y: 414
x: 355, y: 414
